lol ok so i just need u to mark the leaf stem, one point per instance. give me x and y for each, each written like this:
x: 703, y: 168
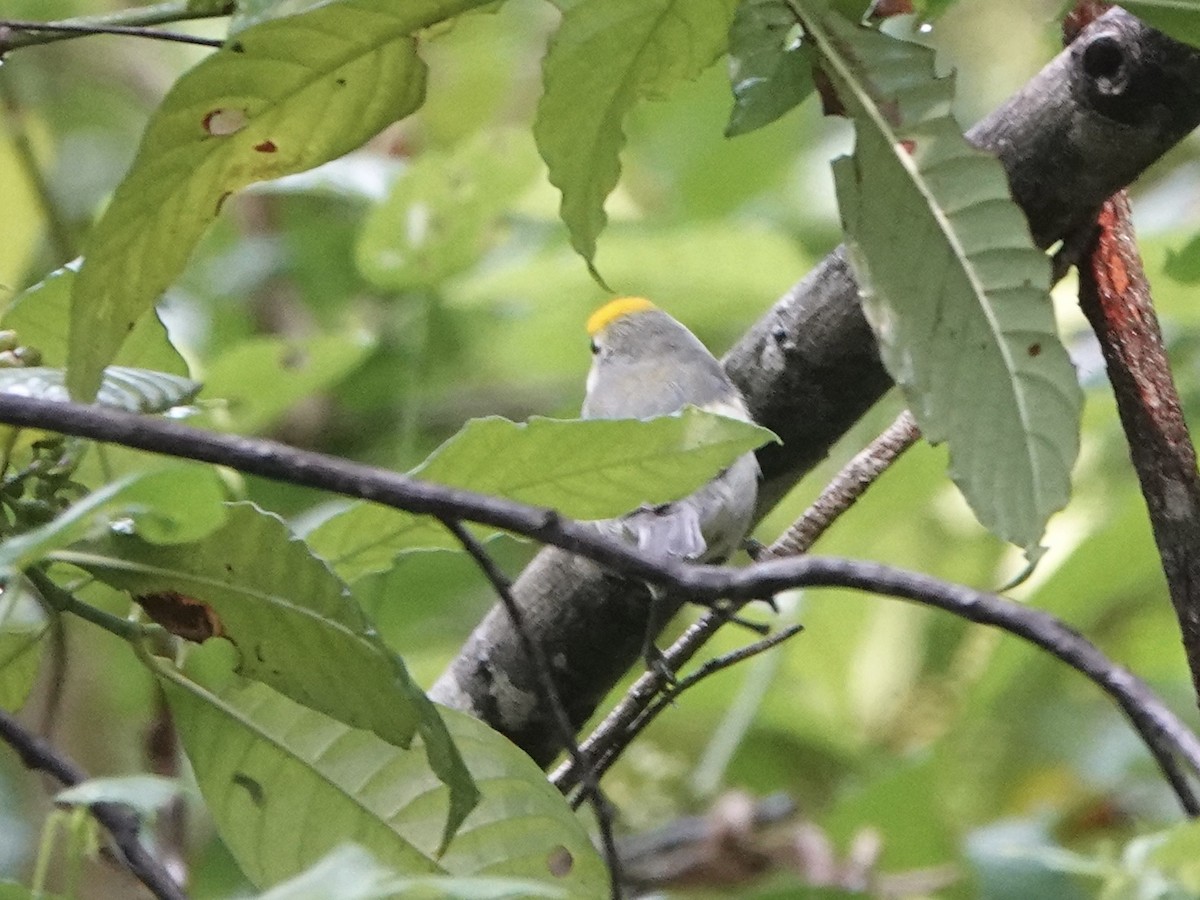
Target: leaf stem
x: 55, y: 31
x: 133, y: 22
x: 65, y: 602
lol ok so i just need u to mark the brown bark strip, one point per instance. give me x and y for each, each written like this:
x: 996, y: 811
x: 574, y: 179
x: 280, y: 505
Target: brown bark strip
x: 1115, y: 297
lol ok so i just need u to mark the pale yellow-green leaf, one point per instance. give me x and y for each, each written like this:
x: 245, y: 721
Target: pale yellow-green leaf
x: 284, y: 96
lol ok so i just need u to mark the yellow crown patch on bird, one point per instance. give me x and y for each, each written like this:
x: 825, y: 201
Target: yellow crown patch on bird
x: 614, y: 310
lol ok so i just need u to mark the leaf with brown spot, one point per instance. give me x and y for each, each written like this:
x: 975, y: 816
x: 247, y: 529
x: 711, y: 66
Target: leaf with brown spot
x: 209, y: 138
x: 311, y: 641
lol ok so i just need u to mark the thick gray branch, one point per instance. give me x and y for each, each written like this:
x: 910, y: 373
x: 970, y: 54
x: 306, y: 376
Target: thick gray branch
x: 1087, y: 125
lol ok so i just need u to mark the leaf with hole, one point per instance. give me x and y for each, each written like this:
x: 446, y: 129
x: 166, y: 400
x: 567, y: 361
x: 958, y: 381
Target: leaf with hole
x: 291, y: 619
x: 284, y: 96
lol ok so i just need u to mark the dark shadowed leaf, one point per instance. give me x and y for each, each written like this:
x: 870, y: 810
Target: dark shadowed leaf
x: 770, y: 68
x: 607, y: 55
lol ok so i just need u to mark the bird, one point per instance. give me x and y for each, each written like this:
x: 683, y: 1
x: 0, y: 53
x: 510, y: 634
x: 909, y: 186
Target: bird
x: 644, y: 364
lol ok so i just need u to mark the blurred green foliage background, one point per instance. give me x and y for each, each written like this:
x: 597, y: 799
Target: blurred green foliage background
x: 370, y: 307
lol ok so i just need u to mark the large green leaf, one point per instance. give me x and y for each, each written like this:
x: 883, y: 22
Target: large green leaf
x: 952, y: 285
x: 769, y: 71
x: 252, y: 12
x: 41, y: 316
x: 292, y: 620
x: 1178, y: 18
x: 606, y: 55
x: 286, y: 785
x: 586, y: 469
x: 289, y: 616
x: 287, y: 95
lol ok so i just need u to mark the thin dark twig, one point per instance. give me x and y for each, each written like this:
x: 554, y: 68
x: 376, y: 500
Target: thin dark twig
x: 641, y: 693
x: 667, y: 698
x: 1161, y: 730
x: 279, y: 462
x: 137, y: 17
x: 1158, y: 726
x: 19, y: 25
x: 545, y: 683
x: 121, y: 824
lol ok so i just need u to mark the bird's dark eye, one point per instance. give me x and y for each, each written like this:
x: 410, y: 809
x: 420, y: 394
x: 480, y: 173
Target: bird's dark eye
x: 595, y: 348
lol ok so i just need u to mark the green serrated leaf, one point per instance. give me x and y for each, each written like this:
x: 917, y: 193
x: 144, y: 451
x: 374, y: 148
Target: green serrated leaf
x: 262, y: 378
x: 22, y: 624
x: 770, y: 68
x: 586, y: 469
x: 1178, y: 18
x: 292, y: 621
x: 955, y: 290
x: 436, y: 220
x: 133, y: 390
x: 41, y: 315
x: 607, y: 55
x: 177, y: 504
x: 287, y: 95
x: 286, y: 785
